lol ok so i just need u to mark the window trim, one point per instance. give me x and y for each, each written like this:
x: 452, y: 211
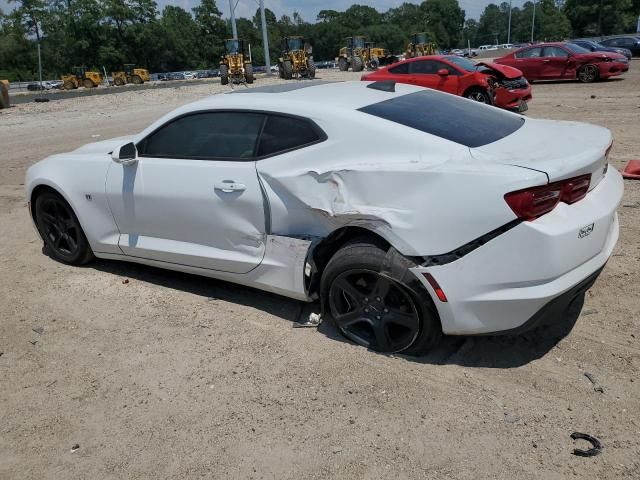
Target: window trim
x: 322, y: 136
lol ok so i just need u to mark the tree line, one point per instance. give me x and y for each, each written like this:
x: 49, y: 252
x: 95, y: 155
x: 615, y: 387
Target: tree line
x: 109, y: 33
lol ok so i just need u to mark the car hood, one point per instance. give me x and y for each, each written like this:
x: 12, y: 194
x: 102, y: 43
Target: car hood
x: 557, y: 148
x: 502, y: 71
x: 104, y: 146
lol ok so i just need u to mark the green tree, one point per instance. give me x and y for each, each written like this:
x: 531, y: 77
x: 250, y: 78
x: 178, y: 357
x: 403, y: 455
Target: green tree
x: 445, y: 19
x: 600, y: 17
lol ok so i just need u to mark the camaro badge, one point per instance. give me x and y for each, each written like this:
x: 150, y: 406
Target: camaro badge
x: 585, y: 231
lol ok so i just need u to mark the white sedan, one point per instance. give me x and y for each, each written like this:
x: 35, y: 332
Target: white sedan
x: 408, y: 212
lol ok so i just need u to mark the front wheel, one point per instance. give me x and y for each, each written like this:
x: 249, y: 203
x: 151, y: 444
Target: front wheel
x: 287, y: 67
x: 479, y: 95
x: 357, y: 65
x: 60, y: 229
x: 224, y: 74
x: 588, y: 73
x: 248, y: 73
x: 311, y: 68
x: 372, y: 308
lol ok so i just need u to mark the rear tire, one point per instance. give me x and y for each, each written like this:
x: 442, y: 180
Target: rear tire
x: 64, y: 239
x: 69, y: 85
x: 88, y: 83
x: 374, y: 310
x: 224, y: 74
x: 588, y: 73
x: 287, y: 69
x: 343, y: 65
x: 248, y: 73
x: 136, y: 80
x: 357, y: 65
x: 118, y: 82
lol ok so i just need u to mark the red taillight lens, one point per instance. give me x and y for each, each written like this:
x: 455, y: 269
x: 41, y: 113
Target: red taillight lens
x: 534, y: 202
x: 575, y: 189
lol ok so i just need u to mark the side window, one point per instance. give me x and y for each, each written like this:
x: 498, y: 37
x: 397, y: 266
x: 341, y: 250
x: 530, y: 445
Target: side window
x: 403, y: 68
x: 424, y: 67
x: 555, y: 52
x: 625, y: 42
x: 530, y: 53
x: 206, y: 135
x: 282, y: 134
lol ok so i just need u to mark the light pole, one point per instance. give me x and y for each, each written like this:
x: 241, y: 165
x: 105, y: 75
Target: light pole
x: 265, y: 38
x: 232, y: 9
x: 533, y: 19
x: 509, y: 30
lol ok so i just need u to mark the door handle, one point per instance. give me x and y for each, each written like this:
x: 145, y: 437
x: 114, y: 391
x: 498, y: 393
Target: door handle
x: 228, y: 186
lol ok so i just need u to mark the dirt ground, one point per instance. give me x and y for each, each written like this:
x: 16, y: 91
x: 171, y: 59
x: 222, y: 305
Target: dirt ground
x: 176, y: 376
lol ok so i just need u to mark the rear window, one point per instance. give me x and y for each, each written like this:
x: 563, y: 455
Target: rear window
x: 453, y: 118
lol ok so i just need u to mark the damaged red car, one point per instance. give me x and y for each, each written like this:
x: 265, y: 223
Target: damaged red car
x: 565, y: 61
x: 489, y: 83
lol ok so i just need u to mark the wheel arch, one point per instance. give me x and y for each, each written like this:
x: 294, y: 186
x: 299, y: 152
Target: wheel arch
x: 475, y: 87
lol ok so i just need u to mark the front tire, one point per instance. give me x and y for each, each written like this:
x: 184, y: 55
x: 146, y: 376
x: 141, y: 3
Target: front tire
x: 248, y: 73
x: 224, y: 74
x: 588, y: 73
x: 479, y: 95
x: 357, y: 65
x: 373, y: 309
x: 343, y: 65
x: 64, y: 239
x: 311, y: 68
x: 287, y: 69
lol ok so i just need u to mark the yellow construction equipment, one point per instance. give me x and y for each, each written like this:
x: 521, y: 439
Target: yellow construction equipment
x: 81, y: 77
x: 420, y: 46
x: 358, y: 54
x: 378, y: 56
x: 353, y: 55
x: 4, y: 94
x: 296, y: 60
x: 234, y: 64
x: 130, y: 74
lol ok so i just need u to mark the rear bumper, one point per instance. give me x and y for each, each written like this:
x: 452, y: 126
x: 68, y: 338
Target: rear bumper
x: 502, y: 285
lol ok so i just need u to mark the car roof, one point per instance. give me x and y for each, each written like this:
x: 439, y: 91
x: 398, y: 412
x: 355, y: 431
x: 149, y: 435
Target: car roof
x: 304, y: 98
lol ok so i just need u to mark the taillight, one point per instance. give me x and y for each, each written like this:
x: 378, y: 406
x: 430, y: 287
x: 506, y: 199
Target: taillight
x: 534, y: 202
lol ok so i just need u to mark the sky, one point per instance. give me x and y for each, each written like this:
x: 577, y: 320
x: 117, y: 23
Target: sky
x: 309, y: 8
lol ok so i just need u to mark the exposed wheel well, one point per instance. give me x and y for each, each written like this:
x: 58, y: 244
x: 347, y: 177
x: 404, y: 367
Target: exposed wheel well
x: 39, y: 190
x: 329, y: 245
x: 474, y: 88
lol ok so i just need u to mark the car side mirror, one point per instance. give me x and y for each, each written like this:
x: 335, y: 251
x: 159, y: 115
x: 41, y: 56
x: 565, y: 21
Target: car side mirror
x: 443, y: 72
x: 125, y: 154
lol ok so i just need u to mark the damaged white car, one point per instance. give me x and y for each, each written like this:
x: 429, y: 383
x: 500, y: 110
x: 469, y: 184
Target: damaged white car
x: 408, y: 212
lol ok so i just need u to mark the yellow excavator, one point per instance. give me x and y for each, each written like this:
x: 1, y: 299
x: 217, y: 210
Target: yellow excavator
x: 234, y: 64
x: 419, y: 46
x: 130, y: 74
x: 81, y: 77
x: 296, y: 60
x: 4, y: 94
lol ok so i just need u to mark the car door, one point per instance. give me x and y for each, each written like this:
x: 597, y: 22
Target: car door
x: 555, y: 63
x: 193, y: 196
x: 425, y: 73
x: 529, y: 62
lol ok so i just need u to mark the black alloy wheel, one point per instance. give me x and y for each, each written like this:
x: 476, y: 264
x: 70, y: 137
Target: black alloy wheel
x: 374, y: 310
x: 60, y: 230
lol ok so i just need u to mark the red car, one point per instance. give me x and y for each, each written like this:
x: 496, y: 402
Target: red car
x: 556, y: 61
x: 498, y: 85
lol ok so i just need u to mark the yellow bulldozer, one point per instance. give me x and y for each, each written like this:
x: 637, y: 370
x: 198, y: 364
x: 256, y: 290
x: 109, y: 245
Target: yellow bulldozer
x: 296, y: 60
x: 4, y: 94
x: 358, y: 54
x: 235, y: 65
x: 130, y: 74
x: 419, y: 46
x: 81, y: 77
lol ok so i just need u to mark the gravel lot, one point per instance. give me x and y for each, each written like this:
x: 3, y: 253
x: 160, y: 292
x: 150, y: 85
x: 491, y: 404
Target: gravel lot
x: 176, y: 376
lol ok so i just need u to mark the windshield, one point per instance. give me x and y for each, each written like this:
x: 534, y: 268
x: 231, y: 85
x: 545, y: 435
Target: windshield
x: 358, y: 42
x: 463, y: 63
x: 295, y: 44
x: 420, y: 38
x: 576, y: 48
x: 232, y: 46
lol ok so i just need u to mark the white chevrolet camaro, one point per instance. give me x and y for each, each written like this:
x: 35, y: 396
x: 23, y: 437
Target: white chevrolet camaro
x: 408, y: 212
